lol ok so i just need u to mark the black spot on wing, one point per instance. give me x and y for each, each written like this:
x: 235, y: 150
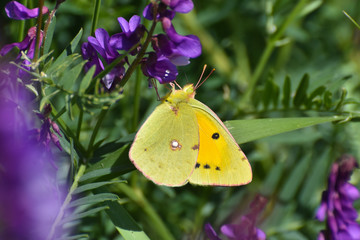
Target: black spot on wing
x: 207, y: 166
x: 215, y: 136
x: 217, y: 168
x: 197, y: 165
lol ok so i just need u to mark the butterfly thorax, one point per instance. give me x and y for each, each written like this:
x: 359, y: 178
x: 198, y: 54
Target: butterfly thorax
x: 182, y: 95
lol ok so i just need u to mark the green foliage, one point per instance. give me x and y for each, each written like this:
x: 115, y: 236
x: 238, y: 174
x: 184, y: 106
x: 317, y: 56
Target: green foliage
x: 287, y: 80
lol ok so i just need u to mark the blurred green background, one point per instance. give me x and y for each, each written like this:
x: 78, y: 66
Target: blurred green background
x: 290, y: 169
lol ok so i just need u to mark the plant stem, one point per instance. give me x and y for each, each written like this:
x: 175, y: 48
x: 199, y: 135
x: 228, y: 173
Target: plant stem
x: 102, y: 114
x: 269, y: 49
x: 136, y: 100
x: 38, y: 30
x: 66, y: 202
x: 47, y: 23
x: 95, y: 18
x: 78, y: 128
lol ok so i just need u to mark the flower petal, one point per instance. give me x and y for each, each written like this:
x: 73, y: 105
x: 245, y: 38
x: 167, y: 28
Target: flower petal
x: 159, y: 68
x: 124, y: 24
x: 182, y: 6
x: 229, y: 230
x: 17, y: 11
x: 134, y: 22
x: 148, y: 12
x: 210, y: 232
x: 350, y: 191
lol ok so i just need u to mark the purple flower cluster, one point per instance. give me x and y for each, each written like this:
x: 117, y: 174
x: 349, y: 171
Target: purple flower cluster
x: 102, y: 46
x: 18, y: 11
x: 170, y: 49
x: 337, y: 203
x: 246, y: 228
x: 29, y: 196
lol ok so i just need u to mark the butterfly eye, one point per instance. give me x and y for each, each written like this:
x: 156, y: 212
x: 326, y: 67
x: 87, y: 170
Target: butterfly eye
x: 215, y: 136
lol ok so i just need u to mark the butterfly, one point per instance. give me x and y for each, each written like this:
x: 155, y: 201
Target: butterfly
x: 183, y: 141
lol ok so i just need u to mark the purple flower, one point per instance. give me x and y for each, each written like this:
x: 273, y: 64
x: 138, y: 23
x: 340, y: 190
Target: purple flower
x: 246, y: 228
x: 160, y: 68
x: 133, y: 31
x: 29, y: 196
x: 162, y: 11
x: 100, y: 44
x: 176, y: 47
x: 45, y: 135
x: 28, y: 44
x: 17, y: 11
x: 170, y: 49
x: 180, y: 6
x: 210, y: 232
x: 337, y: 203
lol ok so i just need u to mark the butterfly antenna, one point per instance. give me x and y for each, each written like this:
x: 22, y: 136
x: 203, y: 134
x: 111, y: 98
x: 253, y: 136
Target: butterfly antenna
x: 177, y: 85
x: 199, y: 83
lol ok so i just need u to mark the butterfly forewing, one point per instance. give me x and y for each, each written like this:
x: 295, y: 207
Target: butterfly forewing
x: 165, y: 149
x: 220, y: 160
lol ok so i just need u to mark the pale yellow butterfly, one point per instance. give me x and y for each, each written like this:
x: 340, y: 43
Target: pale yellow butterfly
x: 183, y: 141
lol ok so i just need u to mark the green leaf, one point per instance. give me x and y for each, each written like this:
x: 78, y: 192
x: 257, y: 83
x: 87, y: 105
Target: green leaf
x: 351, y: 19
x: 49, y: 35
x: 267, y: 92
x: 275, y: 94
x: 71, y: 48
x: 249, y: 130
x: 81, y: 215
x: 296, y: 177
x: 315, y: 179
x: 286, y: 92
x: 67, y: 147
x: 59, y: 67
x: 300, y: 95
x: 75, y: 237
x: 110, y: 163
x: 85, y: 82
x: 328, y: 100
x: 68, y: 106
x: 68, y: 79
x: 340, y: 104
x: 47, y: 98
x: 91, y: 186
x: 32, y: 89
x: 273, y: 178
x: 93, y: 199
x: 124, y: 223
x: 317, y: 92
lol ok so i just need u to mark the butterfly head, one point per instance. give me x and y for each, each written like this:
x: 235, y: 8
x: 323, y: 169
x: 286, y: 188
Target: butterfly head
x: 180, y: 95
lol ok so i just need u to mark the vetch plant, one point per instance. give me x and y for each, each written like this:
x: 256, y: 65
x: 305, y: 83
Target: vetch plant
x: 169, y: 50
x: 337, y: 203
x: 76, y: 82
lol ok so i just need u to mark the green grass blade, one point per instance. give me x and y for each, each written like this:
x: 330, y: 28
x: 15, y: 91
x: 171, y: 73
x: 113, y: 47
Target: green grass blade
x: 250, y: 130
x: 124, y: 223
x: 91, y: 186
x: 93, y: 199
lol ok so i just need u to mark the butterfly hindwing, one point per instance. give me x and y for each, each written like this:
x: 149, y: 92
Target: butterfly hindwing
x: 220, y: 160
x: 165, y: 149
